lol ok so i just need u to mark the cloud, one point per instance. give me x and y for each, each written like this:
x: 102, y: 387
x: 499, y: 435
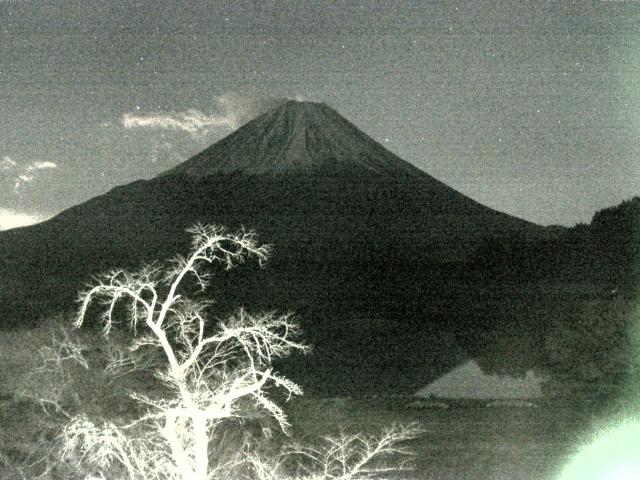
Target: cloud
x: 233, y: 110
x: 41, y: 166
x: 20, y: 180
x: 25, y: 178
x: 194, y: 122
x: 11, y: 219
x: 246, y: 104
x: 7, y: 163
x: 20, y: 175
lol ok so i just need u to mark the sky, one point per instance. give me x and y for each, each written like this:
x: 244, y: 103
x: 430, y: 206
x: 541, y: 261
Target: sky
x: 531, y: 108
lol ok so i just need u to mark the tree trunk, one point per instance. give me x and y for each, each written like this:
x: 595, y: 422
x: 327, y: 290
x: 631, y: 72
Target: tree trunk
x: 201, y: 448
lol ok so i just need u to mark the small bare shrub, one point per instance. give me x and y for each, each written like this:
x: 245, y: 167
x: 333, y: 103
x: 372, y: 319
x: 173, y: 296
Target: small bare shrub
x: 345, y: 457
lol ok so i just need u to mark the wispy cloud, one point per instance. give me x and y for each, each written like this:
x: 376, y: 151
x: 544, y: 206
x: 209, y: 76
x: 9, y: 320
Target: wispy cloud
x: 25, y: 177
x: 19, y: 174
x: 233, y: 109
x: 41, y: 166
x: 7, y: 163
x: 11, y: 219
x: 244, y: 105
x: 20, y: 180
x: 194, y: 122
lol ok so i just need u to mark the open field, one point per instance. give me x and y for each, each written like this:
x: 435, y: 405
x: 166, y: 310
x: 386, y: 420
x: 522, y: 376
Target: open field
x: 469, y: 442
x: 459, y: 443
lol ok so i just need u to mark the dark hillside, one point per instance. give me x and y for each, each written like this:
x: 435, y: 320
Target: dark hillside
x: 572, y: 297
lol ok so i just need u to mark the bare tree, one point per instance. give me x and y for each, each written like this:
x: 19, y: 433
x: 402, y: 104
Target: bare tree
x: 210, y: 376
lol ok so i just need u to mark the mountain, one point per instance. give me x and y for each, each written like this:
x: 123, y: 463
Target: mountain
x: 300, y: 137
x: 369, y: 251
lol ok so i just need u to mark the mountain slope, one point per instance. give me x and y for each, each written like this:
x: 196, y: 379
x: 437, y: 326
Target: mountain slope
x: 296, y: 137
x: 365, y: 244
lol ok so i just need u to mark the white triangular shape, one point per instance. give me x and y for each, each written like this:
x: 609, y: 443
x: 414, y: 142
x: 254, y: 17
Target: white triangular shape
x: 469, y: 381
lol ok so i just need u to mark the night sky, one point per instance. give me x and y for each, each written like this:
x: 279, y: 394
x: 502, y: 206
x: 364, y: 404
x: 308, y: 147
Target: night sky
x: 532, y: 108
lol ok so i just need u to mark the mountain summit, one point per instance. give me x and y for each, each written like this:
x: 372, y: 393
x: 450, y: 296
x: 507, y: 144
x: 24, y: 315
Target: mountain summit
x: 295, y: 137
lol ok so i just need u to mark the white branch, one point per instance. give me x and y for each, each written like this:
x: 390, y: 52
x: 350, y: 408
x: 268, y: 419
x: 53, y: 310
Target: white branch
x: 208, y: 375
